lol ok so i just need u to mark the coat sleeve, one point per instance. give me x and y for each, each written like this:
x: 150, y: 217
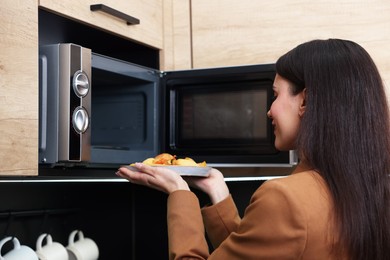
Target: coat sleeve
x: 273, y: 227
x: 186, y: 236
x: 220, y: 220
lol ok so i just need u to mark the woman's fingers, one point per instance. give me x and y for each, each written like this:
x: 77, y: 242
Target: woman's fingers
x: 155, y: 177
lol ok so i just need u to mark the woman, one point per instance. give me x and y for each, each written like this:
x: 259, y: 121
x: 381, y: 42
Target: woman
x: 330, y: 105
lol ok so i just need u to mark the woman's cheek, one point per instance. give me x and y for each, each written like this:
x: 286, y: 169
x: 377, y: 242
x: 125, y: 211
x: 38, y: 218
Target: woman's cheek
x: 285, y: 135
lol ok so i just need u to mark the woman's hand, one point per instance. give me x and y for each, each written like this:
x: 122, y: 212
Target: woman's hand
x: 160, y: 179
x: 214, y: 185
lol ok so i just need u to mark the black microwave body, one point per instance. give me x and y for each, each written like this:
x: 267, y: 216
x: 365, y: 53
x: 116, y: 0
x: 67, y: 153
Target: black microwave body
x: 220, y: 115
x: 217, y: 115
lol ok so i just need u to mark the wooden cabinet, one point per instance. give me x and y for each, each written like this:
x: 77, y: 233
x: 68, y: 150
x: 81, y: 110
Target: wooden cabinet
x: 230, y: 32
x: 18, y: 87
x: 149, y: 12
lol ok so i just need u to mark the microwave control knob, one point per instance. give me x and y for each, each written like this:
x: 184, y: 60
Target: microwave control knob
x: 80, y: 83
x: 80, y: 120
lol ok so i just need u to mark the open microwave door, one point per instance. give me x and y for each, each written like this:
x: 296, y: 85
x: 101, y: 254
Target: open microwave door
x: 125, y: 116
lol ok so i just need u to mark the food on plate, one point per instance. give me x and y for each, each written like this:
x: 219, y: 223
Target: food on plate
x: 185, y: 162
x: 166, y: 159
x: 148, y: 161
x: 188, y: 162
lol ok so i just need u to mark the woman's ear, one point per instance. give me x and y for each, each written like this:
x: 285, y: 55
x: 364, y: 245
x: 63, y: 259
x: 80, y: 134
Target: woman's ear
x: 302, y: 107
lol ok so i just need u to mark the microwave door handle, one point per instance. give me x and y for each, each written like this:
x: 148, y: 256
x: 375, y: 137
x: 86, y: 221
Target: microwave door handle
x: 43, y: 115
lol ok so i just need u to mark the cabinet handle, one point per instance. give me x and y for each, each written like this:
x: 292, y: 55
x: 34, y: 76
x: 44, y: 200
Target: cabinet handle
x: 104, y: 8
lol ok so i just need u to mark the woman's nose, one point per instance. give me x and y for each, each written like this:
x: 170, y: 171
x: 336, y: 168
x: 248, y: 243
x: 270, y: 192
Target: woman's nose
x: 269, y: 114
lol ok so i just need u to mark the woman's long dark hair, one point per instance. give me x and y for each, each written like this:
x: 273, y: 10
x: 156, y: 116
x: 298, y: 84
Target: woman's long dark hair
x: 345, y: 136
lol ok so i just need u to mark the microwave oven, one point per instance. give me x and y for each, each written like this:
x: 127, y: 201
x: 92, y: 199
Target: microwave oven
x: 99, y: 111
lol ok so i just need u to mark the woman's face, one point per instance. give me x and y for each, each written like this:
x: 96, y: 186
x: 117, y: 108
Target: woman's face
x: 286, y: 112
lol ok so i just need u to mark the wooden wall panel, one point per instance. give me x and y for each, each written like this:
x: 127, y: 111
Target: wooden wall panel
x: 230, y: 32
x: 176, y: 52
x: 19, y: 87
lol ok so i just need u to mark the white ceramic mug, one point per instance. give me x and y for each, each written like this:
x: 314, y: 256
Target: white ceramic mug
x: 51, y: 250
x: 83, y: 248
x: 18, y: 252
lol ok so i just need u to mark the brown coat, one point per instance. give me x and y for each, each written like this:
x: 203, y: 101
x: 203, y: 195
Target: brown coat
x: 287, y: 218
